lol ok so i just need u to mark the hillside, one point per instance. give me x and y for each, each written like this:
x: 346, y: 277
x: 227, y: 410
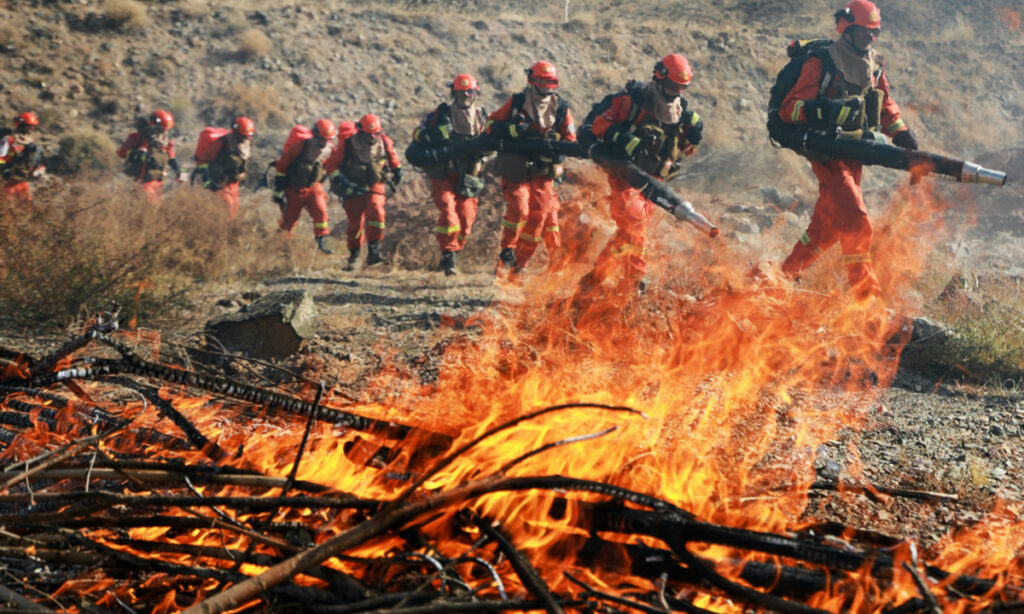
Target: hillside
x: 93, y: 66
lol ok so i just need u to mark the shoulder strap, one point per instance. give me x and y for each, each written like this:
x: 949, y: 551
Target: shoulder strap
x: 563, y: 110
x: 443, y: 114
x: 518, y: 100
x: 828, y: 66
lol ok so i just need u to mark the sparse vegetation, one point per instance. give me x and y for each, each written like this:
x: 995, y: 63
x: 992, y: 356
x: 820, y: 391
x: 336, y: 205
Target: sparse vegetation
x: 85, y: 243
x: 254, y: 44
x: 129, y: 15
x: 85, y: 149
x: 262, y: 104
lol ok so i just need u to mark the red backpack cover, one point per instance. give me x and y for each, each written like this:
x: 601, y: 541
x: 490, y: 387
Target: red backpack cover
x: 298, y: 134
x: 208, y: 146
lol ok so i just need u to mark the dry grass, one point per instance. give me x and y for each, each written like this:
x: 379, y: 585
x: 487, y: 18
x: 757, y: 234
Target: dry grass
x: 78, y: 247
x: 254, y: 44
x: 261, y: 104
x: 86, y: 149
x: 129, y: 15
x: 989, y: 341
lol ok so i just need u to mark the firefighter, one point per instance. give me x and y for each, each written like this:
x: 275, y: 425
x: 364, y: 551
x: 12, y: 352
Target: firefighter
x: 528, y: 180
x: 20, y: 157
x: 298, y: 177
x: 149, y: 152
x: 649, y: 125
x: 361, y: 169
x: 454, y: 184
x: 223, y: 163
x: 847, y: 93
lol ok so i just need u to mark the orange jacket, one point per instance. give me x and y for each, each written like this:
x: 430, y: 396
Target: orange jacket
x: 806, y: 88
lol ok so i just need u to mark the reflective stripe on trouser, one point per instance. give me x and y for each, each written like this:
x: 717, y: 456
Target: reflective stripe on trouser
x: 541, y: 219
x: 456, y: 214
x: 229, y: 194
x: 627, y: 247
x: 314, y: 200
x: 517, y: 197
x: 839, y: 216
x: 366, y: 217
x: 18, y: 190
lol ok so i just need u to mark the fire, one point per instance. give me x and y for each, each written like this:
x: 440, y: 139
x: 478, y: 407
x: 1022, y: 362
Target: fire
x: 733, y: 385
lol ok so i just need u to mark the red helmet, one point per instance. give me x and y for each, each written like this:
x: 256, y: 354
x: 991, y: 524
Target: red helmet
x: 858, y: 13
x: 675, y: 68
x: 543, y: 75
x: 324, y: 128
x: 244, y: 126
x: 369, y: 123
x: 26, y: 119
x: 465, y: 83
x: 162, y: 118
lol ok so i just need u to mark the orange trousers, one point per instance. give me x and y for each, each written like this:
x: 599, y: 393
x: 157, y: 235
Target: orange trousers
x: 229, y: 194
x: 456, y: 214
x: 531, y: 217
x: 18, y: 190
x: 839, y: 216
x: 312, y: 199
x: 626, y: 249
x: 365, y: 211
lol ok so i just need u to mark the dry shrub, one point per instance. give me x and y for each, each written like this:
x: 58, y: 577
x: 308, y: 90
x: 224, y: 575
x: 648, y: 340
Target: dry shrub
x: 83, y: 244
x: 87, y: 149
x: 193, y: 8
x: 129, y: 15
x: 253, y: 44
x: 184, y: 113
x: 260, y: 103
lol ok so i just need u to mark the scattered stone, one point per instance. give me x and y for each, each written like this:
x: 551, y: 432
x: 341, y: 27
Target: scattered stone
x: 270, y: 328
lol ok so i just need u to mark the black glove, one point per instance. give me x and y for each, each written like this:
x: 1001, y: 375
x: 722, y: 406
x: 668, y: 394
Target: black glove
x: 694, y: 127
x: 279, y: 184
x: 518, y: 125
x: 621, y: 142
x: 278, y: 199
x: 396, y: 176
x: 827, y: 113
x: 905, y: 140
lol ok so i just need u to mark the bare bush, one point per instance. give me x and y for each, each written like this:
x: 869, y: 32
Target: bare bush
x: 262, y: 104
x: 253, y: 44
x: 85, y: 243
x: 87, y: 149
x: 129, y: 15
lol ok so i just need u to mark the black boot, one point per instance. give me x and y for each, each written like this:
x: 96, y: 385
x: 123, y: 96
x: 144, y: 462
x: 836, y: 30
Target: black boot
x: 448, y: 263
x: 353, y: 258
x: 373, y: 253
x: 322, y: 245
x: 507, y: 258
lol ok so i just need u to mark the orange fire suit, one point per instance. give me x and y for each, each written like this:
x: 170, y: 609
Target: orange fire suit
x: 456, y: 210
x: 223, y: 174
x: 364, y: 210
x: 839, y: 214
x: 533, y: 205
x: 630, y: 210
x: 19, y: 160
x: 146, y: 162
x: 302, y: 177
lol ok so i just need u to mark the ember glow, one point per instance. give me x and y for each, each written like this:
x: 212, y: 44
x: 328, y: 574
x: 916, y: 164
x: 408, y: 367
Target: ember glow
x: 733, y: 384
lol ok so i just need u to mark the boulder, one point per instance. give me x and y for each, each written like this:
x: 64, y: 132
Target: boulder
x: 270, y: 328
